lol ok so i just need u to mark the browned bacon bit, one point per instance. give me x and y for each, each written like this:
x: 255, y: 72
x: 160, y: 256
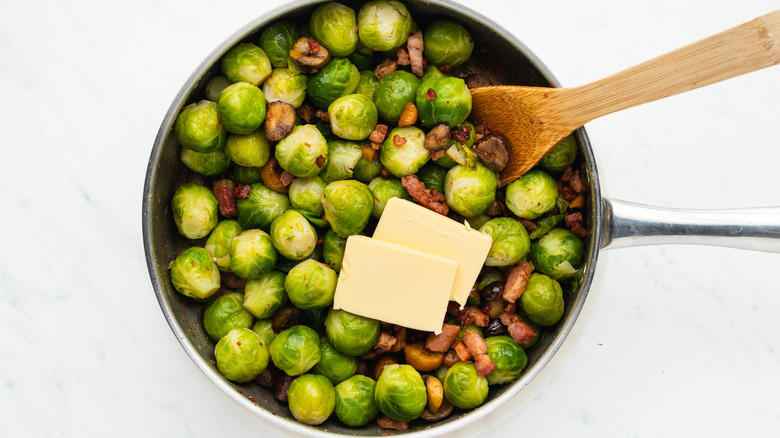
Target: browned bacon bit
x: 402, y: 55
x: 322, y: 115
x: 224, y: 191
x: 435, y: 155
x: 398, y: 140
x: 461, y: 351
x: 430, y: 94
x: 430, y: 199
x: 571, y: 184
x: 379, y: 134
x: 287, y: 178
x: 415, y: 46
x: 518, y: 329
x: 478, y: 349
x: 482, y: 128
x: 388, y: 65
x: 450, y: 358
x: 314, y: 45
x: 573, y: 222
x: 442, y: 342
x: 242, y: 191
x: 385, y: 342
x: 232, y: 281
x: 320, y: 161
x: 386, y: 422
x: 438, y: 138
x: 473, y: 315
x: 461, y: 133
x: 516, y: 280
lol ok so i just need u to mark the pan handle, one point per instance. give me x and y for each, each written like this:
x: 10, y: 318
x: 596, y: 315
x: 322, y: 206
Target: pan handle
x: 628, y: 224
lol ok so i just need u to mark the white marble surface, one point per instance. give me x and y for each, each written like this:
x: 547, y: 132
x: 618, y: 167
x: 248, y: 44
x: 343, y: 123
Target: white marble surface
x: 674, y: 341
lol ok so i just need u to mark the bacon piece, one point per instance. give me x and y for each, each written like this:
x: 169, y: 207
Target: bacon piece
x: 435, y: 155
x: 518, y: 329
x: 415, y: 45
x: 443, y: 341
x: 386, y: 422
x: 385, y: 342
x: 446, y: 69
x: 242, y: 191
x: 461, y: 351
x: 402, y: 55
x: 388, y: 65
x: 573, y: 222
x: 477, y: 347
x: 286, y: 178
x: 320, y: 161
x: 430, y: 199
x: 473, y: 315
x: 461, y: 133
x: 516, y: 280
x: 224, y: 191
x: 430, y: 94
x: 379, y: 134
x: 314, y: 45
x: 571, y: 184
x: 398, y: 140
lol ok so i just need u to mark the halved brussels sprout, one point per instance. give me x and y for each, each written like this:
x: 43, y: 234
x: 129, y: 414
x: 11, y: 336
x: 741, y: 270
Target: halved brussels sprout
x: 264, y: 329
x: 400, y: 392
x: 470, y: 190
x: 296, y: 350
x: 351, y: 334
x: 248, y: 150
x: 311, y: 399
x: 395, y: 90
x: 303, y: 152
x: 383, y: 189
x: 224, y: 314
x: 542, y: 300
x: 194, y: 274
x: 218, y: 243
x: 368, y: 84
x: 338, y: 78
x: 403, y: 153
x: 277, y: 39
x: 510, y: 241
x: 242, y: 107
x: 306, y: 194
x: 264, y: 295
x: 333, y: 364
x: 366, y: 170
x: 446, y: 100
x: 241, y: 355
x: 198, y: 127
x: 252, y: 254
x: 333, y: 248
x: 348, y: 205
x: 343, y: 155
x: 334, y: 26
x: 311, y: 284
x: 463, y: 387
x: 352, y: 117
x: 355, y: 404
x: 447, y: 43
x: 557, y: 254
x: 383, y: 25
x: 509, y: 357
x: 246, y: 63
x: 532, y: 195
x: 205, y: 163
x: 293, y: 236
x: 561, y: 156
x: 432, y: 176
x: 194, y: 210
x: 261, y: 207
x: 285, y: 86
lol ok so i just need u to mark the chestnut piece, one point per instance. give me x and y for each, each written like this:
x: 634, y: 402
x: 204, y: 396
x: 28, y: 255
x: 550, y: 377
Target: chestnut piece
x: 493, y: 151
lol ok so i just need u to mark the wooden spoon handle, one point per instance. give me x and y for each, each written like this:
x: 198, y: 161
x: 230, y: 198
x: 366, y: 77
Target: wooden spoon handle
x: 742, y: 49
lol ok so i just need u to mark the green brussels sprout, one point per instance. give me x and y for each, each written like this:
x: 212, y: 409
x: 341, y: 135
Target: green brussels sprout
x: 264, y: 295
x: 311, y: 399
x: 194, y: 210
x: 450, y: 103
x: 368, y: 84
x: 338, y: 78
x: 303, y: 152
x: 463, y: 387
x: 242, y: 107
x: 395, y: 90
x: 383, y: 25
x: 335, y: 27
x: 252, y: 254
x: 215, y: 86
x: 343, y: 155
x: 246, y: 63
x: 261, y: 207
x: 509, y: 357
x: 264, y: 329
x: 352, y: 117
x: 206, y: 164
x: 383, y: 189
x: 194, y: 274
x: 400, y: 392
x: 316, y: 219
x: 366, y: 170
x: 277, y: 39
x: 557, y: 254
x: 470, y: 190
x: 311, y: 284
x: 306, y: 194
x: 542, y: 300
x: 333, y: 248
x: 218, y: 243
x: 447, y: 43
x: 561, y: 156
x: 199, y: 128
x: 351, y: 334
x: 532, y: 195
x: 241, y: 355
x: 285, y: 86
x: 247, y: 175
x: 408, y: 157
x: 224, y: 314
x: 293, y: 236
x: 355, y: 404
x: 510, y: 241
x: 432, y: 176
x: 248, y: 150
x: 363, y: 58
x: 459, y: 152
x: 296, y: 350
x: 347, y: 206
x: 333, y: 364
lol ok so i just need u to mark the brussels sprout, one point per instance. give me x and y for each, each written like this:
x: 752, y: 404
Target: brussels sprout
x: 447, y: 43
x: 407, y: 157
x: 311, y: 284
x: 303, y: 152
x: 542, y: 300
x: 215, y: 86
x: 532, y: 195
x: 338, y: 78
x: 333, y: 248
x: 460, y: 152
x: 333, y: 364
x: 198, y: 127
x: 224, y: 314
x: 383, y: 25
x: 432, y: 176
x: 400, y: 392
x: 463, y: 387
x: 366, y: 170
x: 342, y: 157
x: 218, y: 243
x: 561, y: 156
x: 261, y: 207
x: 311, y: 399
x: 368, y: 84
x: 355, y: 404
x: 306, y: 194
x: 363, y: 58
x: 383, y: 189
x: 557, y: 254
x: 470, y: 190
x: 205, y: 163
x: 264, y: 295
x: 509, y: 357
x: 252, y: 254
x: 446, y: 100
x: 334, y: 26
x: 242, y: 107
x: 395, y: 90
x: 241, y: 355
x: 352, y: 117
x: 264, y: 329
x: 296, y: 350
x: 347, y: 206
x: 194, y: 274
x: 194, y: 210
x: 277, y: 39
x: 248, y: 150
x: 293, y: 236
x: 247, y: 175
x: 510, y: 241
x: 351, y: 334
x: 246, y: 63
x: 285, y: 86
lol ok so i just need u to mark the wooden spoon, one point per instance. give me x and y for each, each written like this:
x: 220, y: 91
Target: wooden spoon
x: 536, y: 118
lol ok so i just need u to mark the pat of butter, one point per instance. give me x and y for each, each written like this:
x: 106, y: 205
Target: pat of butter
x: 414, y: 226
x: 394, y: 284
